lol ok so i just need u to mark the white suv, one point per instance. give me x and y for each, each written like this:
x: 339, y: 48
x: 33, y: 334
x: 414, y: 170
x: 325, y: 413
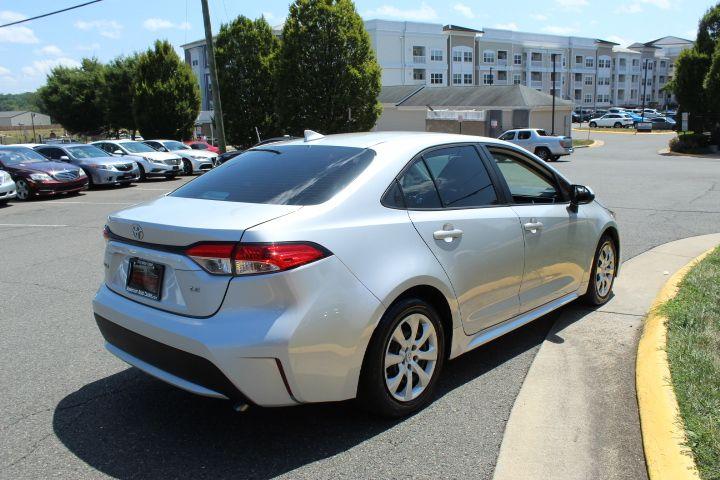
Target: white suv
x: 614, y: 120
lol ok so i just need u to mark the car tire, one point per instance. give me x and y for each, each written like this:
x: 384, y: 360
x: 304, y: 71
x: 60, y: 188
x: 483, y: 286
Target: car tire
x: 543, y: 153
x: 143, y: 176
x: 603, y: 273
x: 378, y: 390
x: 187, y: 167
x: 24, y: 193
x: 617, y: 125
x: 593, y: 125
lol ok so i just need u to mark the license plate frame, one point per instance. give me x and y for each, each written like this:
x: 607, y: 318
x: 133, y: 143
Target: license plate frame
x: 142, y: 276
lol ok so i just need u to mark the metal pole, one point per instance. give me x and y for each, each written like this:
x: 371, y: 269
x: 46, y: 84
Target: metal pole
x: 217, y: 107
x: 491, y: 76
x: 32, y: 119
x: 642, y: 111
x: 552, y: 81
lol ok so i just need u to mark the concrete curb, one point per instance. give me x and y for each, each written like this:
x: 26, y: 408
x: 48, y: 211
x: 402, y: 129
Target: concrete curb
x: 596, y: 143
x: 576, y: 415
x: 664, y: 438
x: 667, y: 153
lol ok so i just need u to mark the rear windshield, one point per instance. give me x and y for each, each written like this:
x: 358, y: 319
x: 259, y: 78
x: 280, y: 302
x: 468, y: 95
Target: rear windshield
x: 282, y: 175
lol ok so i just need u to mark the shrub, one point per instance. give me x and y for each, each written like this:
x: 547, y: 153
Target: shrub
x: 689, y: 143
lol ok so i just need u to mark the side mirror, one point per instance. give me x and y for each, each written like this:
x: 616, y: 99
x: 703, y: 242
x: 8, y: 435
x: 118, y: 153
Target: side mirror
x: 64, y: 158
x: 580, y: 195
x: 118, y: 152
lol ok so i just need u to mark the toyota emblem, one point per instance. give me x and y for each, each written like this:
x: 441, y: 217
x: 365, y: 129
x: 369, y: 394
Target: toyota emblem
x: 137, y: 232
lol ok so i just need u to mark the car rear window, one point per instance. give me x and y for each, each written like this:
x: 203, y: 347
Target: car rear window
x: 282, y: 175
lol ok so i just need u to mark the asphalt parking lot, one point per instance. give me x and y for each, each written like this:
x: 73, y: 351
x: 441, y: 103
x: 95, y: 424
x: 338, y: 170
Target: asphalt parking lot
x: 70, y: 409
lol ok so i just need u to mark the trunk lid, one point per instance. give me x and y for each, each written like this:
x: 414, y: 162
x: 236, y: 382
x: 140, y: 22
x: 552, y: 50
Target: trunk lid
x: 158, y: 231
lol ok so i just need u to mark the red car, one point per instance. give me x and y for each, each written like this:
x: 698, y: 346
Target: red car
x: 201, y: 145
x: 35, y: 175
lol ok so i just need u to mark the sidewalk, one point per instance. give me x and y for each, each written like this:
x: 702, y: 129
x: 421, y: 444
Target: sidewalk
x: 576, y: 415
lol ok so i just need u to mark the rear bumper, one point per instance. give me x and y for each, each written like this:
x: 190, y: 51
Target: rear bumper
x: 280, y: 339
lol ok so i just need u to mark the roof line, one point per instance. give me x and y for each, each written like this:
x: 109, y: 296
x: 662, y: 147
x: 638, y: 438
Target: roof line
x: 410, y: 95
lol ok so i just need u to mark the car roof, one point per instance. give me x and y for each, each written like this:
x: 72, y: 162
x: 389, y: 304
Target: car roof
x: 369, y: 139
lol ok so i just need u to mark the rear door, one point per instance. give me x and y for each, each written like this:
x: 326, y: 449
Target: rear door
x: 556, y: 237
x: 454, y: 204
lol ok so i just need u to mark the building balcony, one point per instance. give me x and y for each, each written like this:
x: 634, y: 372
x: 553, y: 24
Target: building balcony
x: 536, y: 83
x: 419, y: 59
x: 502, y: 62
x: 537, y: 63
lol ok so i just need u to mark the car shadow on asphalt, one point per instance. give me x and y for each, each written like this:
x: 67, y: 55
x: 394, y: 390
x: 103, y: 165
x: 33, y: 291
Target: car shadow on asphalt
x: 131, y: 425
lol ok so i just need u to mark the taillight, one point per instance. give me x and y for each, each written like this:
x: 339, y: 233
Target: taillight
x: 254, y: 258
x: 106, y: 233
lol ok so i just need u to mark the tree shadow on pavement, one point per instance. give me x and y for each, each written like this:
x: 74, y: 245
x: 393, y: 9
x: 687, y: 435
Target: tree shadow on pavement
x: 129, y: 425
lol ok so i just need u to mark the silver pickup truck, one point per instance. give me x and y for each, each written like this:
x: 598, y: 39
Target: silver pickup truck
x: 537, y: 141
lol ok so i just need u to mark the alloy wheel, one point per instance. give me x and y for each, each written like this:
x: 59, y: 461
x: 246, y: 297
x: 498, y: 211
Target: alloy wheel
x: 411, y: 357
x: 23, y: 190
x: 605, y: 270
x: 187, y: 167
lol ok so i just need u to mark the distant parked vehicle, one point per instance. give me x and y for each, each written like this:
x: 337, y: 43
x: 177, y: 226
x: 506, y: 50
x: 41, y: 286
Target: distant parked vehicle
x: 537, y: 141
x: 614, y: 120
x: 224, y: 157
x: 582, y: 115
x: 663, y: 123
x: 7, y: 187
x: 100, y: 167
x: 35, y: 175
x: 201, y: 145
x: 194, y: 161
x: 151, y: 162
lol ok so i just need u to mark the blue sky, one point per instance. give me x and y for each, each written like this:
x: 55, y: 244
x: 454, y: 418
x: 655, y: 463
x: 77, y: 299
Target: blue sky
x: 115, y: 27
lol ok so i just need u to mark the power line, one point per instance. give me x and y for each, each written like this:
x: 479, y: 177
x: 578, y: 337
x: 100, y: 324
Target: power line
x: 51, y: 13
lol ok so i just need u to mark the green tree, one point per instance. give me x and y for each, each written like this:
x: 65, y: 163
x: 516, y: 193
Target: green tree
x: 691, y: 67
x: 708, y: 31
x: 19, y: 101
x: 165, y: 94
x: 73, y: 97
x: 327, y: 76
x: 244, y: 53
x: 119, y: 76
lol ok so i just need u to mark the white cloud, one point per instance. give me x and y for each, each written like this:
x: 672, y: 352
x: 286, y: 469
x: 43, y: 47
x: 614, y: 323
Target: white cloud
x: 15, y: 33
x: 559, y: 30
x: 539, y: 17
x: 155, y: 24
x: 423, y: 12
x: 90, y: 47
x: 106, y: 28
x: 506, y: 26
x: 43, y: 67
x: 464, y: 10
x: 4, y: 72
x: 662, y: 4
x: 626, y: 8
x: 572, y: 4
x: 49, y: 51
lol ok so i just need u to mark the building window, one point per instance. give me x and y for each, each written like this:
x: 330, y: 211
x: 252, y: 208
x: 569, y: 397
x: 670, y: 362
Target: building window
x: 661, y: 79
x: 663, y: 63
x: 649, y: 65
x: 634, y: 78
x: 418, y: 74
x: 622, y: 63
x: 516, y: 79
x: 436, y: 55
x: 588, y: 98
x: 636, y: 62
x: 578, y: 77
x: 578, y: 59
x: 517, y: 59
x: 578, y: 94
x: 488, y: 56
x: 468, y: 57
x: 588, y: 80
x: 622, y: 78
x: 536, y: 57
x: 487, y: 79
x: 502, y: 76
x: 562, y: 59
x: 502, y: 55
x: 621, y: 94
x: 589, y: 62
x: 457, y: 79
x: 603, y: 80
x: 633, y: 94
x: 436, y: 78
x: 467, y: 78
x: 418, y: 54
x: 603, y: 63
x: 457, y: 56
x: 195, y: 63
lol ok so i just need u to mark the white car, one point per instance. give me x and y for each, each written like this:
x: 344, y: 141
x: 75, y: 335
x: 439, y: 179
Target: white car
x: 151, y: 162
x: 347, y: 266
x: 7, y: 187
x: 614, y: 120
x: 194, y: 161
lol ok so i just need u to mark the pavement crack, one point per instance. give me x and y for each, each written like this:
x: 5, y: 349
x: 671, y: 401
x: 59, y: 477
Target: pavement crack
x: 609, y: 312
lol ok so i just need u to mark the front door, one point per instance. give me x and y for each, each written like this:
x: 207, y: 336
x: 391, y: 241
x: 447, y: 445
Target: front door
x: 555, y: 236
x: 457, y: 211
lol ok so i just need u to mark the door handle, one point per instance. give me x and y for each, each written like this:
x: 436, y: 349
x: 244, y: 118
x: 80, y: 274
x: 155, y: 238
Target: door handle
x: 448, y: 233
x: 533, y: 226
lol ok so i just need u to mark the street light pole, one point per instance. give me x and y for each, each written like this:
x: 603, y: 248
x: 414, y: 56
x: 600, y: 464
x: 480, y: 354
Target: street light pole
x: 642, y: 111
x: 32, y: 119
x: 492, y: 81
x: 217, y: 107
x: 552, y: 81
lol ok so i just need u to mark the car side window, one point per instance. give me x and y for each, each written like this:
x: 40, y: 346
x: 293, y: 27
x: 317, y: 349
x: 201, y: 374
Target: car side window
x: 527, y: 184
x: 524, y: 135
x: 418, y: 187
x: 507, y: 136
x: 461, y: 177
x: 44, y: 152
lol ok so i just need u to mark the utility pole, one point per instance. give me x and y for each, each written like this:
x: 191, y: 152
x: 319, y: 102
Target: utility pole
x: 32, y: 119
x: 217, y: 107
x: 552, y: 82
x: 642, y: 112
x: 491, y: 76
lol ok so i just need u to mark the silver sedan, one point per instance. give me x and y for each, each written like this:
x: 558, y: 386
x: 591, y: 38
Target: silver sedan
x: 347, y: 266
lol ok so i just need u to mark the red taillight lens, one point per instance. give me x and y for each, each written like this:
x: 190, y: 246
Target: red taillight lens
x: 253, y: 258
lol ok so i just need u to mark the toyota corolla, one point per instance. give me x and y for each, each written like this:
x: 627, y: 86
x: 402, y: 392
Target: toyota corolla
x: 347, y: 266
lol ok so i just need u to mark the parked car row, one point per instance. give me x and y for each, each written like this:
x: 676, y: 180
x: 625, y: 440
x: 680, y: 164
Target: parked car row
x: 617, y: 117
x: 30, y: 170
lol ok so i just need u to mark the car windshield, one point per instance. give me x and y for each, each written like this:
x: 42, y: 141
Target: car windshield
x: 18, y: 155
x: 136, y: 147
x: 173, y: 145
x: 281, y: 175
x: 87, y: 151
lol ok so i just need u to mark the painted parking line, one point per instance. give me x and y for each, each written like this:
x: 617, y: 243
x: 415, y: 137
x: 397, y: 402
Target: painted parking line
x: 60, y: 202
x: 29, y: 225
